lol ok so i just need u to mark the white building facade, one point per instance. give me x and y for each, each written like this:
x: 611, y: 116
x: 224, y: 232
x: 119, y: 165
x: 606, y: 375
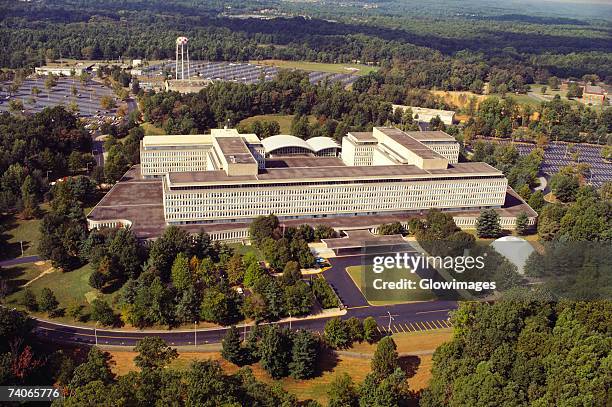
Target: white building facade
x: 385, y: 171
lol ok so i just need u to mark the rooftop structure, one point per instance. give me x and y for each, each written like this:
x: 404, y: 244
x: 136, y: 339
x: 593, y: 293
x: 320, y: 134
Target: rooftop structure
x: 391, y: 146
x: 289, y: 145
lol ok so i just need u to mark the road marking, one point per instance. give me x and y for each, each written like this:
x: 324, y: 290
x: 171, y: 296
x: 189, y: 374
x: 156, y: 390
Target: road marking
x: 430, y: 327
x: 77, y: 334
x: 403, y: 330
x: 424, y: 327
x: 436, y: 310
x: 360, y: 306
x: 407, y: 327
x: 379, y: 331
x: 413, y: 328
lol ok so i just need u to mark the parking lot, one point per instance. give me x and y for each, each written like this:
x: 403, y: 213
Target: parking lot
x: 240, y: 72
x: 87, y: 98
x: 559, y: 154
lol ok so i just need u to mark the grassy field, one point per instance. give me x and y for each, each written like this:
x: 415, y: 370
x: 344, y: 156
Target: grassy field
x: 521, y: 99
x: 27, y: 231
x: 418, y: 368
x: 69, y: 287
x: 151, y: 130
x: 18, y: 275
x: 393, y: 296
x: 284, y: 120
x: 357, y: 69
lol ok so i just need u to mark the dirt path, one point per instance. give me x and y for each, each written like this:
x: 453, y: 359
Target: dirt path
x: 47, y: 271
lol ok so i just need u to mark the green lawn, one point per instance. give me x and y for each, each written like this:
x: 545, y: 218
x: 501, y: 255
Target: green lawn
x: 284, y: 120
x: 151, y: 130
x: 521, y: 99
x: 244, y: 249
x: 391, y: 296
x: 357, y: 69
x: 69, y: 287
x: 26, y: 231
x: 20, y: 274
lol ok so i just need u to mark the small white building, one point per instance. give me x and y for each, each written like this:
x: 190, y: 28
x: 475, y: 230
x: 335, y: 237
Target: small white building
x: 423, y: 114
x: 58, y: 70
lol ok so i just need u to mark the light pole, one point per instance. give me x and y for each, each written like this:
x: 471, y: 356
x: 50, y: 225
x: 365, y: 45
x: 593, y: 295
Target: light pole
x: 195, y: 333
x: 290, y: 321
x: 96, y: 332
x: 390, y: 319
x: 21, y: 243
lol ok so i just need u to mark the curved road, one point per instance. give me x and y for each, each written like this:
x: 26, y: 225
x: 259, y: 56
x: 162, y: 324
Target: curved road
x: 406, y: 318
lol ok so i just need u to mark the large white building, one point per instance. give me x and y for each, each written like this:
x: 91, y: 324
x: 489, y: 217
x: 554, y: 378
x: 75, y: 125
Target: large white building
x: 223, y: 178
x: 160, y: 155
x: 221, y: 181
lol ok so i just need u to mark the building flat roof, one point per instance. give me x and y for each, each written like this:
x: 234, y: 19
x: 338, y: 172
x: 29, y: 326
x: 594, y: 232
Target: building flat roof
x: 140, y: 202
x: 331, y: 173
x: 170, y: 140
x: 361, y: 237
x: 431, y: 136
x: 363, y: 136
x: 176, y: 140
x: 410, y: 143
x: 235, y: 150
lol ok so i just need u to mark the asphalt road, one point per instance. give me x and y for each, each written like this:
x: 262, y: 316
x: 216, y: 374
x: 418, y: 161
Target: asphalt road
x: 19, y: 260
x: 405, y: 318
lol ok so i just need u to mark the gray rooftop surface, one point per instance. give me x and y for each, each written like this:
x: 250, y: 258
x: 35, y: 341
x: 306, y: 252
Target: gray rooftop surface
x: 363, y: 135
x: 410, y: 143
x: 430, y: 135
x: 140, y: 201
x: 297, y: 174
x: 235, y: 150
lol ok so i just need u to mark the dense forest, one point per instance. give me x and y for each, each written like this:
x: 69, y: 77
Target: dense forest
x: 33, y: 32
x: 290, y: 93
x: 524, y: 351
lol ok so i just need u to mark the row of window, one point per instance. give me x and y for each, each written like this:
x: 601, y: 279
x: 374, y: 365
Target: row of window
x: 360, y: 199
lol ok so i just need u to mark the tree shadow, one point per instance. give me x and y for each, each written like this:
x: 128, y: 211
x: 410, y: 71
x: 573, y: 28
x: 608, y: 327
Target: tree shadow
x: 11, y: 277
x: 112, y: 286
x: 327, y: 361
x: 11, y: 250
x: 409, y: 364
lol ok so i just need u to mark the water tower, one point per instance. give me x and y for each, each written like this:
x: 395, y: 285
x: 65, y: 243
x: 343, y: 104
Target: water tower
x: 181, y: 47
